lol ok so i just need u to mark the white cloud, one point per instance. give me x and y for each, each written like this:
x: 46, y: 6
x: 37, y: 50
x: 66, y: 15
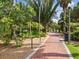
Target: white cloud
x: 55, y: 20
x: 72, y: 4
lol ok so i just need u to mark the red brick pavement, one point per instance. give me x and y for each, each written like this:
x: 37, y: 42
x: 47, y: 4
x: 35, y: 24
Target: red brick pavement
x: 52, y: 49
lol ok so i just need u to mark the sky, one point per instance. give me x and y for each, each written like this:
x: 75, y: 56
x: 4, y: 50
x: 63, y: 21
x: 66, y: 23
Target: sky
x: 59, y: 9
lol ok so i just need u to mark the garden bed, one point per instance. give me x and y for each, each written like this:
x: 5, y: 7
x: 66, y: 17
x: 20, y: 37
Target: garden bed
x: 11, y: 52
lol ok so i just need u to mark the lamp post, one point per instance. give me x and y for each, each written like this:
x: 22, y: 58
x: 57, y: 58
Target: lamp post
x: 14, y: 2
x: 39, y: 25
x: 30, y: 25
x: 69, y: 31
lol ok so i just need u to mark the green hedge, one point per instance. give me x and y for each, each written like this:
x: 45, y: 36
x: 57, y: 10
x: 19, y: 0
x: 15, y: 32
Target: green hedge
x: 75, y: 35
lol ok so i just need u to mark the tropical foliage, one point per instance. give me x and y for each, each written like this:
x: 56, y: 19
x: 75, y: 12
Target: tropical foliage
x: 45, y: 9
x: 19, y: 20
x: 14, y: 21
x: 74, y: 22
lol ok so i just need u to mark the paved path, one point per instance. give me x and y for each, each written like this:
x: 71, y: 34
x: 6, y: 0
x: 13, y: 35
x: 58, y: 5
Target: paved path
x: 52, y: 49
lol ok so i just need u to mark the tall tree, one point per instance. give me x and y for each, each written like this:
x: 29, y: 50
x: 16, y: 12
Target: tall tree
x: 64, y: 5
x: 47, y: 10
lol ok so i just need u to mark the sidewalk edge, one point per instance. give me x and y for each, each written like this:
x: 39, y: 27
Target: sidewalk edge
x: 70, y: 55
x: 36, y: 49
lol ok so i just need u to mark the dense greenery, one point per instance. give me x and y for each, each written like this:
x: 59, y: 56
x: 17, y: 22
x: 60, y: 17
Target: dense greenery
x: 74, y: 22
x: 45, y: 10
x: 15, y: 22
x: 19, y: 20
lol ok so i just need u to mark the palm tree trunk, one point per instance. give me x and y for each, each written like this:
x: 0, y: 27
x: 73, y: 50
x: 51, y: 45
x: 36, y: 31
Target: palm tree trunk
x: 64, y: 20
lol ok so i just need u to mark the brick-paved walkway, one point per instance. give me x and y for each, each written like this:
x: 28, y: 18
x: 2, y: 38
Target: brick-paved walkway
x: 52, y: 49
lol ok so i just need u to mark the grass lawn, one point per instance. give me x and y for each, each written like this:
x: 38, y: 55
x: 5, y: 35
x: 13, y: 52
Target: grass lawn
x: 74, y: 49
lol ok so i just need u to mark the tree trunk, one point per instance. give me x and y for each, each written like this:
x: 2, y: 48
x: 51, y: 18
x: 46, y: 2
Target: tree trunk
x: 31, y: 34
x: 64, y: 20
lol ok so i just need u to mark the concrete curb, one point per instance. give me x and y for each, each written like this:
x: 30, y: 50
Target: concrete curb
x: 70, y: 55
x: 35, y: 50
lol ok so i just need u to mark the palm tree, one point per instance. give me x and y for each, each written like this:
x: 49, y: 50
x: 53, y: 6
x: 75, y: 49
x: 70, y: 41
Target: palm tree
x: 46, y: 10
x: 64, y: 5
